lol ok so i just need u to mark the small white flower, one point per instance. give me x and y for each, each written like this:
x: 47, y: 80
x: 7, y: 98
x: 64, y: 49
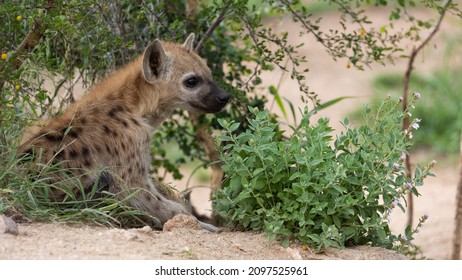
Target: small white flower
x: 395, y: 165
x: 417, y: 95
x: 415, y: 125
x: 410, y: 135
x: 408, y: 186
x: 433, y: 162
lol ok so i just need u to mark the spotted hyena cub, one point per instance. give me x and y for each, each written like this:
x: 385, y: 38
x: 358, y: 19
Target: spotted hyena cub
x: 105, y: 138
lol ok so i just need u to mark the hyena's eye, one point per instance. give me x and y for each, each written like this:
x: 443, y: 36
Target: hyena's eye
x: 191, y: 82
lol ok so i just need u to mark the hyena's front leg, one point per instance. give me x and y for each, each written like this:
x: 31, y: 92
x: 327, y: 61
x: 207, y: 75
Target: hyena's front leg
x: 149, y: 199
x: 173, y: 208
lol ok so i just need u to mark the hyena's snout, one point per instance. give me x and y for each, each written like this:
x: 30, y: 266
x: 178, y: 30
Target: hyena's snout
x: 220, y: 100
x: 222, y: 97
x: 213, y: 101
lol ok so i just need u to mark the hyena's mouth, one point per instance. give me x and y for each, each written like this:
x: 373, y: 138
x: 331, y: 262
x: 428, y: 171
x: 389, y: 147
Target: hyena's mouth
x: 202, y: 108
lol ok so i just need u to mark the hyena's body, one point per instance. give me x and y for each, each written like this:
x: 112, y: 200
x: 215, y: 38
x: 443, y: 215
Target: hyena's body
x: 110, y: 128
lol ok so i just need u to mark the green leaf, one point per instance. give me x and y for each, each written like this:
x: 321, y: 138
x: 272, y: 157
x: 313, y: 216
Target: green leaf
x: 353, y: 180
x: 408, y: 232
x: 292, y: 109
x: 381, y: 233
x: 348, y: 232
x: 294, y: 176
x: 235, y: 184
x: 285, y: 242
x: 223, y: 123
x: 331, y: 102
x: 346, y: 121
x: 273, y: 90
x: 233, y: 127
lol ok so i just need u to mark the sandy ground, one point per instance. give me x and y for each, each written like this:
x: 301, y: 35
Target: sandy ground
x: 52, y: 242
x: 330, y: 80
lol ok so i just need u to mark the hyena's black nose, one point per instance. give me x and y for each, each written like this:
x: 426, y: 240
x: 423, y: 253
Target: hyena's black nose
x: 223, y: 97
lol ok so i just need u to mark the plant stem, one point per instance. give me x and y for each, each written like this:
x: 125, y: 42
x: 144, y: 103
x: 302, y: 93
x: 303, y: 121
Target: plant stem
x: 457, y: 237
x: 212, y: 27
x: 407, y: 76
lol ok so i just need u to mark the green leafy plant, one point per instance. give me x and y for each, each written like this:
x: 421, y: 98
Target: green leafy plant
x: 310, y: 187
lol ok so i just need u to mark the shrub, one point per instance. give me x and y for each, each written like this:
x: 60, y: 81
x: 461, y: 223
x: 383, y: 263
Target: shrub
x: 309, y: 187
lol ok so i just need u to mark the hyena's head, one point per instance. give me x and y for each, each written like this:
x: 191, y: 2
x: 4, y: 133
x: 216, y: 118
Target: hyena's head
x: 181, y: 77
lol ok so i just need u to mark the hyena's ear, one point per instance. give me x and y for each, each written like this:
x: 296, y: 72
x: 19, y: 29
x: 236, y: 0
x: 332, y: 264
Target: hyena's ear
x: 154, y: 60
x: 189, y: 43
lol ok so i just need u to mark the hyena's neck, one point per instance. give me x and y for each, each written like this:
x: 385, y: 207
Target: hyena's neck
x: 118, y: 86
x: 127, y: 86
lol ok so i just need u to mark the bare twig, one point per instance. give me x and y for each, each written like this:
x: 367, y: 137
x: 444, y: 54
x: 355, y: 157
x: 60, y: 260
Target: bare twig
x: 457, y: 237
x: 407, y: 76
x: 312, y: 30
x: 213, y: 26
x: 303, y: 22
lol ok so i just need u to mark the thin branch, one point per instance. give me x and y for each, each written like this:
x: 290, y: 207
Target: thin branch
x: 322, y: 41
x: 349, y: 12
x: 406, y: 81
x: 212, y: 27
x: 457, y: 237
x: 303, y: 22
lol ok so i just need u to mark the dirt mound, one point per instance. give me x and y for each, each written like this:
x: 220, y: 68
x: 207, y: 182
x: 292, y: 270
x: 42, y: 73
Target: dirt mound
x: 57, y: 241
